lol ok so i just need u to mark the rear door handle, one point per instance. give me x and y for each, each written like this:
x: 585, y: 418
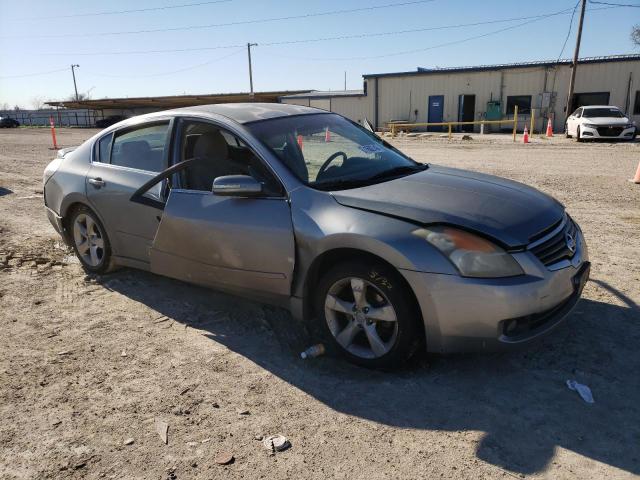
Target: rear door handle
x: 96, y: 182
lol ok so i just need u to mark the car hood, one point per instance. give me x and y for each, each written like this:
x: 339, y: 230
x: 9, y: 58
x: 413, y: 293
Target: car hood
x: 507, y: 211
x: 606, y: 120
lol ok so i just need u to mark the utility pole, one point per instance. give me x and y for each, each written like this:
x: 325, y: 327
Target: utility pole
x: 249, y: 45
x: 75, y: 87
x: 345, y: 81
x: 574, y: 66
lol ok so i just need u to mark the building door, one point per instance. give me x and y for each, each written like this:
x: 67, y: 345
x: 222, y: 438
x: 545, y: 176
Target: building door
x: 466, y: 111
x: 436, y: 112
x: 590, y: 98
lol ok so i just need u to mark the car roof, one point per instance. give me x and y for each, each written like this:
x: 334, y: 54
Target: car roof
x: 599, y: 106
x: 241, y: 112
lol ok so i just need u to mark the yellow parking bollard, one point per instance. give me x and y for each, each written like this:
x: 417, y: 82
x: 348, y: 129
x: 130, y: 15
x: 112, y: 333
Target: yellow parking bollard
x: 533, y: 123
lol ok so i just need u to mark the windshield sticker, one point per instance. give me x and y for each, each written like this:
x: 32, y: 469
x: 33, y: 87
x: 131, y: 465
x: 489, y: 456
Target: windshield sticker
x: 372, y: 148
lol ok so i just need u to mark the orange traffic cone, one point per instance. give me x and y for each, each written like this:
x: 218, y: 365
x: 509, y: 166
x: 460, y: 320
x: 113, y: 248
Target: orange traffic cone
x: 549, y: 128
x: 300, y: 142
x: 327, y: 135
x: 636, y: 179
x: 525, y: 136
x: 53, y: 134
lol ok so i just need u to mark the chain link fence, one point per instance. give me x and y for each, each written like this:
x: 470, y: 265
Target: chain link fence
x: 61, y: 117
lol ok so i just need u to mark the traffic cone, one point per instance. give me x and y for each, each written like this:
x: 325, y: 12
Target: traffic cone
x: 525, y: 136
x: 327, y: 135
x: 53, y: 134
x: 549, y: 128
x: 300, y: 142
x: 636, y: 179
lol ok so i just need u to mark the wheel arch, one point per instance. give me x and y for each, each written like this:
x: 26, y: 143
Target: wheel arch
x: 323, y: 262
x: 69, y: 206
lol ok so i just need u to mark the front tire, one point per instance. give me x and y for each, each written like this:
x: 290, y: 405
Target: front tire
x: 90, y: 241
x: 578, y: 138
x: 368, y: 314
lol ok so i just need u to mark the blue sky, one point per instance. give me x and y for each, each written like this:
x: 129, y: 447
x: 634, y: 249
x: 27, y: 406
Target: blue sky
x: 31, y: 41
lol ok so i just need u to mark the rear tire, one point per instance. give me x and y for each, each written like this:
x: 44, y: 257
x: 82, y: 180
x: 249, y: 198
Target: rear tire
x: 90, y: 241
x: 368, y: 315
x: 566, y: 130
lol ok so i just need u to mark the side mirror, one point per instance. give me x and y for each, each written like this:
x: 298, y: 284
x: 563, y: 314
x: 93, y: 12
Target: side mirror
x: 236, y: 186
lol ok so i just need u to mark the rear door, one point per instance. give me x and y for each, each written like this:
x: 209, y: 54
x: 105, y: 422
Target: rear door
x: 122, y: 162
x: 238, y: 244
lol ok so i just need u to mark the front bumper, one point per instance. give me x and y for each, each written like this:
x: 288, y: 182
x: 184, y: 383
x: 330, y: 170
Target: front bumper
x: 467, y: 314
x: 606, y: 133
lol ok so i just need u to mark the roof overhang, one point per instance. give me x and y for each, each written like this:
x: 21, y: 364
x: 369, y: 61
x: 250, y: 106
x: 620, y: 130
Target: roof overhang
x: 505, y: 66
x: 173, y: 101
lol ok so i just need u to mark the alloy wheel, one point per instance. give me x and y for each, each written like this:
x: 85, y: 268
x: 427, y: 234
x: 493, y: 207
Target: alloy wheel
x: 89, y: 240
x: 361, y: 318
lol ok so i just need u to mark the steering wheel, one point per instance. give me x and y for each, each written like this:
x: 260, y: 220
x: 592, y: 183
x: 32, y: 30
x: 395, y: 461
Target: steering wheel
x: 328, y: 161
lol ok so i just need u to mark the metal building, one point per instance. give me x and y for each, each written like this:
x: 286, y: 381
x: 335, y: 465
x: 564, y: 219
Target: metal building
x: 489, y: 92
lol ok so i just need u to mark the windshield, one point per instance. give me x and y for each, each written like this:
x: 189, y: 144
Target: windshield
x: 327, y: 151
x: 602, y: 112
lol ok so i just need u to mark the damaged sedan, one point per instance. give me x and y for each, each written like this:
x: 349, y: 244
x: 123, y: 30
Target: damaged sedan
x: 303, y: 208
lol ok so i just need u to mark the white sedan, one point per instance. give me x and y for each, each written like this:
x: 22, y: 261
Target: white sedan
x: 600, y: 121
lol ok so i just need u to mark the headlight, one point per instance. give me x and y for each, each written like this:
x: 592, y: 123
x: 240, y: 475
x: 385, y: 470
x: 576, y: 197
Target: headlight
x: 630, y: 125
x: 589, y: 125
x: 473, y: 256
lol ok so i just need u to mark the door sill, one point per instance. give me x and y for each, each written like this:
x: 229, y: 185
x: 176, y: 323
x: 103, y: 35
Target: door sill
x: 133, y: 263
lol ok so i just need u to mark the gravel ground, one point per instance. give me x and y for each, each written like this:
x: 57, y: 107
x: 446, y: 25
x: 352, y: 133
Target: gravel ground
x: 90, y: 365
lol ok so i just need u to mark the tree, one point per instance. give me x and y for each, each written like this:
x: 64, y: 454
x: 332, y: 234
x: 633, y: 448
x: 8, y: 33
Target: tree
x: 81, y: 96
x: 635, y: 35
x: 37, y: 102
x: 5, y: 106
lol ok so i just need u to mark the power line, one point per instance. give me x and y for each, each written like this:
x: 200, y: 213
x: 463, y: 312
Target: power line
x: 240, y: 22
x: 311, y: 40
x: 454, y: 42
x: 564, y: 45
x: 573, y: 14
x: 137, y: 10
x: 241, y: 47
x: 632, y: 5
x: 170, y: 72
x: 445, y: 44
x: 34, y: 74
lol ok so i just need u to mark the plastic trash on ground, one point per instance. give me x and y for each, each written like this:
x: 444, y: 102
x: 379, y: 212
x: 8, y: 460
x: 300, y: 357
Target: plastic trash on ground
x: 313, y: 351
x: 583, y: 390
x: 276, y: 443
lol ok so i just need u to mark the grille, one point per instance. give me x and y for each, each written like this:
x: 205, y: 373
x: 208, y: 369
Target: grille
x: 553, y: 247
x: 609, y: 131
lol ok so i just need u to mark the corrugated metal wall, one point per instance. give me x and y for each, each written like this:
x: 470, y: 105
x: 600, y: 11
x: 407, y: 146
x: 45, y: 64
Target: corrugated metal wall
x: 613, y: 77
x: 297, y: 101
x: 401, y: 96
x: 354, y: 108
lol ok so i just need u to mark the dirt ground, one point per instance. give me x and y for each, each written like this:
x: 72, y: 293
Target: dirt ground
x: 88, y: 365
